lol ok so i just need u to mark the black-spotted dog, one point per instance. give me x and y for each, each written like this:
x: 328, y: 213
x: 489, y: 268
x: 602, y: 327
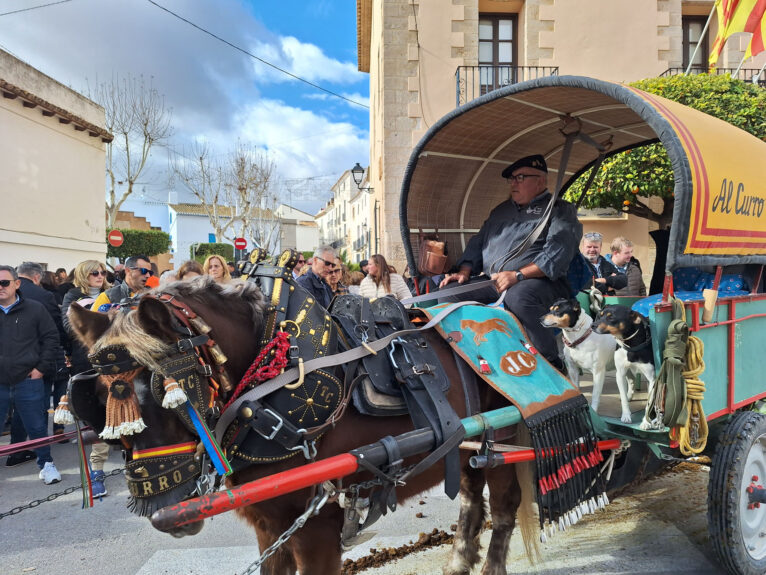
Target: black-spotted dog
x: 586, y: 349
x: 631, y: 331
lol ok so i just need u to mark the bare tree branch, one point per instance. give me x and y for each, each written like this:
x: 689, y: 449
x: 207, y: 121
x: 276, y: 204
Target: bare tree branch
x: 137, y: 116
x: 236, y: 194
x: 199, y: 173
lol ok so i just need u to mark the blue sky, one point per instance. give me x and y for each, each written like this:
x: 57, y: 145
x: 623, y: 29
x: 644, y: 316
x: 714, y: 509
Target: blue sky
x: 218, y: 95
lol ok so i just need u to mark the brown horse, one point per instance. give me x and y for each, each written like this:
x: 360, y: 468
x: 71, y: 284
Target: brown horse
x: 235, y: 314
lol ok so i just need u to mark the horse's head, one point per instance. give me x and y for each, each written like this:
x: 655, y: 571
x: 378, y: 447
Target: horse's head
x: 138, y: 361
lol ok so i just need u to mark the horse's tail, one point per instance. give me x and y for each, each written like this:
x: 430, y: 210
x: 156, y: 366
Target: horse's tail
x: 526, y: 515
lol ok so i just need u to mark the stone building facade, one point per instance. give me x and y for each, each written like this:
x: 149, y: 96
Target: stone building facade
x: 423, y: 58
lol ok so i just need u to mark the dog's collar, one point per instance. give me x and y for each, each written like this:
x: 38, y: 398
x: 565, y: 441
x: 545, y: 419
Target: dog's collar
x: 578, y: 341
x: 640, y: 346
x: 582, y: 322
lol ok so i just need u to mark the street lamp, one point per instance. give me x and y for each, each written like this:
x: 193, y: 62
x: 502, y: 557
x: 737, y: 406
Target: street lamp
x: 357, y: 173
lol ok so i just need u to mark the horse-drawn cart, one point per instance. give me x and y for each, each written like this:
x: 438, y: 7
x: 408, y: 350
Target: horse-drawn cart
x: 717, y: 242
x: 450, y: 185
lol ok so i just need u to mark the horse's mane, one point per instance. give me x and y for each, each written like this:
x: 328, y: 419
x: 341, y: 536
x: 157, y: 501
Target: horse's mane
x: 237, y: 299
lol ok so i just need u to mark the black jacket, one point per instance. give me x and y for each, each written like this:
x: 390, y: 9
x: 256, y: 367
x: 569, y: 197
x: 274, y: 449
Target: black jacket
x: 79, y: 355
x: 316, y: 286
x: 606, y: 269
x: 28, y: 340
x: 35, y: 292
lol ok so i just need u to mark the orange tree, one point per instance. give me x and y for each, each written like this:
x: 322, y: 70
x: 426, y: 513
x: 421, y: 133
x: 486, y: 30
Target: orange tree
x: 626, y: 179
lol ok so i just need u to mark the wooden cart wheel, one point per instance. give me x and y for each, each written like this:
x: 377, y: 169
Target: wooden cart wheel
x: 737, y: 526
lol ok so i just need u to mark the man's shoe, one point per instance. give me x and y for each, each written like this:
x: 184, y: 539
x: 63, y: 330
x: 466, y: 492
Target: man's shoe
x: 97, y: 483
x: 15, y: 459
x: 49, y: 474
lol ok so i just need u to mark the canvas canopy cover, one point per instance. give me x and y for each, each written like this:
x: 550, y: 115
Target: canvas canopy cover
x: 453, y: 178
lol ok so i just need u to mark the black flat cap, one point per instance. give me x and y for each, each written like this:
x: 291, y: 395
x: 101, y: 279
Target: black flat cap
x: 537, y: 162
x: 363, y: 263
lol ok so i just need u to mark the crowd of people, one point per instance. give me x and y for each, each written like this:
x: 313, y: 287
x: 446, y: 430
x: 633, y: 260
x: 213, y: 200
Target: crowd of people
x: 39, y: 351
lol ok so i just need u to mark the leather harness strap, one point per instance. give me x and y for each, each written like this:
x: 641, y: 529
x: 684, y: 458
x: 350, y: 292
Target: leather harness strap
x: 230, y: 414
x: 206, y: 345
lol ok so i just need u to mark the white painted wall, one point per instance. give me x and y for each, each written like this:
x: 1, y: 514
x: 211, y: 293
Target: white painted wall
x: 51, y: 175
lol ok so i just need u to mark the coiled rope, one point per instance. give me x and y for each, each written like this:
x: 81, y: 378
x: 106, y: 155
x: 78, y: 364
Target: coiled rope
x: 692, y: 436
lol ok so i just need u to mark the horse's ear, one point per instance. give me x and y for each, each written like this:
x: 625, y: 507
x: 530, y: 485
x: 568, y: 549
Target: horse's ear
x: 87, y: 325
x: 154, y: 317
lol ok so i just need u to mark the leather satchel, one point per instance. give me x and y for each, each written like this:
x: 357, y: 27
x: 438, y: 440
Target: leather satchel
x: 432, y: 255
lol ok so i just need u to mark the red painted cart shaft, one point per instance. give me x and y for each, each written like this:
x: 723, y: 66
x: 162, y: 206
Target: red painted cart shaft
x: 260, y: 490
x: 410, y: 443
x: 507, y: 457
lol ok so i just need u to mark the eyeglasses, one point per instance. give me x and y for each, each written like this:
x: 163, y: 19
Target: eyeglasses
x: 5, y: 283
x: 144, y: 271
x: 521, y: 177
x: 301, y: 261
x: 327, y: 262
x: 97, y: 273
x: 592, y: 236
x: 335, y: 271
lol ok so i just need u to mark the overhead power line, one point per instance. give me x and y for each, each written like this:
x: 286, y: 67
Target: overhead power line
x: 201, y: 29
x: 34, y: 7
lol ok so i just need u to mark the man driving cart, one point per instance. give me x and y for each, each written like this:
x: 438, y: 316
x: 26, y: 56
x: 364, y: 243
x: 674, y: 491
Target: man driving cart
x: 532, y: 277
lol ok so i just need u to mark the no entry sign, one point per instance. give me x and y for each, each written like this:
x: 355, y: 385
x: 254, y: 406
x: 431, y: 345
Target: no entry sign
x: 115, y: 238
x: 240, y: 243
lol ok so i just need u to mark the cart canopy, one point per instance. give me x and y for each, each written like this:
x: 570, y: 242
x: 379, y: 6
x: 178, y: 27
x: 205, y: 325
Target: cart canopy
x: 453, y: 178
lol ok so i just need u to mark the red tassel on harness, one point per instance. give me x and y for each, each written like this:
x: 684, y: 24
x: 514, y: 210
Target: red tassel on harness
x: 484, y: 366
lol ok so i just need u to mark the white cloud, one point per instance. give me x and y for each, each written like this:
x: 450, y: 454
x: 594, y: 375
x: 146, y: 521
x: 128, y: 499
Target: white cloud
x: 302, y: 142
x: 216, y: 93
x: 304, y: 60
x: 363, y: 101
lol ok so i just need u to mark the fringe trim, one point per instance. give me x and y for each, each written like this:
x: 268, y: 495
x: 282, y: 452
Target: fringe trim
x: 123, y: 414
x: 174, y: 395
x: 567, y: 466
x: 62, y: 415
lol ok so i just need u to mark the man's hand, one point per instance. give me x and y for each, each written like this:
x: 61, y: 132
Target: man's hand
x: 600, y: 280
x: 504, y: 280
x: 35, y: 374
x: 460, y: 277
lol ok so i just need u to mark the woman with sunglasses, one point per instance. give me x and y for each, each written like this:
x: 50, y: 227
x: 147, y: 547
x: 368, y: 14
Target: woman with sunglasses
x: 380, y: 281
x: 89, y: 282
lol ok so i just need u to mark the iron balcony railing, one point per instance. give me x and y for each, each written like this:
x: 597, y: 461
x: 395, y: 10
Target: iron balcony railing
x: 745, y: 74
x: 474, y: 81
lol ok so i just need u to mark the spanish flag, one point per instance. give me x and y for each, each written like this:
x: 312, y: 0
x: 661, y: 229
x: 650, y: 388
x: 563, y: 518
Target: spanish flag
x: 735, y: 16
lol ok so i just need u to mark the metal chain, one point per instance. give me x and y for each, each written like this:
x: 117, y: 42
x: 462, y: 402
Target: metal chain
x: 316, y: 504
x: 52, y: 496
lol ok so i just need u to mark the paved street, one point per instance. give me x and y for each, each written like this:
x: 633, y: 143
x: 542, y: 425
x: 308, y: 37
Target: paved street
x: 660, y: 527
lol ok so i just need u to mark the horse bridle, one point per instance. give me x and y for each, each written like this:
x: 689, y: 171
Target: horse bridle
x: 161, y: 469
